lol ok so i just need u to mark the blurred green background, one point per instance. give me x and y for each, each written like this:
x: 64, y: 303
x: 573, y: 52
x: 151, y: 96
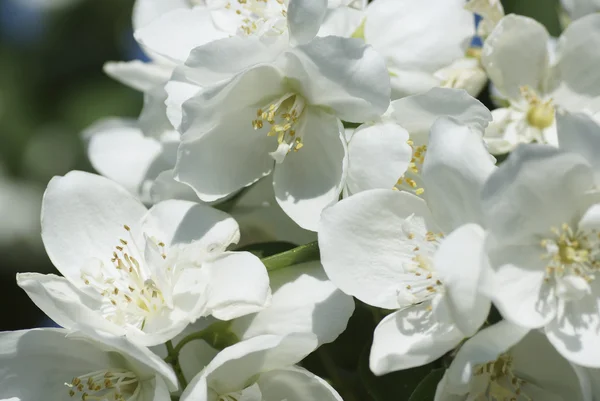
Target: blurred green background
x: 51, y: 88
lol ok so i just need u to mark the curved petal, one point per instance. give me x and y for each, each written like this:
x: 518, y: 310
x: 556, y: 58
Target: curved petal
x: 174, y: 34
x: 65, y: 304
x: 485, y: 346
x: 534, y: 357
x: 304, y: 18
x: 232, y: 368
x: 119, y: 150
x: 409, y: 338
x: 512, y: 63
x: 238, y: 285
x: 378, y: 155
x: 341, y: 21
x: 146, y: 11
x: 364, y: 243
x: 515, y: 197
x: 138, y: 74
x: 48, y: 355
x: 518, y: 289
x: 456, y: 166
x: 221, y: 59
x: 184, y: 222
x: 344, y: 75
x: 228, y: 157
x: 165, y: 187
x: 295, y: 384
x: 309, y: 180
x: 580, y: 134
x: 421, y: 35
x: 459, y: 261
x: 82, y: 219
x: 574, y: 332
x: 417, y: 113
x: 576, y: 66
x: 177, y: 94
x: 304, y: 301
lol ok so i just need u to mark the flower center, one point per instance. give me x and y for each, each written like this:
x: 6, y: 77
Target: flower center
x: 411, y: 180
x: 502, y: 384
x: 131, y: 294
x: 540, y: 114
x: 283, y: 117
x: 114, y: 384
x: 256, y: 17
x: 571, y: 253
x: 420, y: 283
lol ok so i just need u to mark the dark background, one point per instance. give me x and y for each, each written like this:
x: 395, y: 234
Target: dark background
x: 51, y: 88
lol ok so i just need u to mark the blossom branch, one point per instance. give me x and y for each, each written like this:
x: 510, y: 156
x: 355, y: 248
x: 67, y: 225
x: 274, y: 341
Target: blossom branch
x: 303, y: 253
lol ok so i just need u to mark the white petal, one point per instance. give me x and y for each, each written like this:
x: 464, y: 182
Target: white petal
x: 174, y: 34
x: 378, y: 155
x: 459, y: 261
x: 534, y: 357
x: 310, y: 179
x: 456, y: 166
x: 119, y: 150
x: 295, y: 384
x: 574, y: 333
x: 364, y: 245
x: 511, y: 62
x: 421, y: 35
x: 219, y: 103
x: 409, y: 338
x: 304, y: 301
x: 146, y: 11
x: 341, y: 21
x: 82, y: 219
x: 177, y: 94
x: 165, y: 187
x: 138, y: 74
x: 184, y: 222
x: 515, y: 197
x: 485, y: 346
x: 519, y: 289
x: 233, y: 367
x: 228, y: 157
x: 238, y: 285
x: 576, y: 66
x: 153, y: 120
x: 65, y: 304
x: 580, y: 134
x: 304, y: 19
x: 417, y: 113
x: 342, y: 74
x: 35, y: 364
x: 222, y: 59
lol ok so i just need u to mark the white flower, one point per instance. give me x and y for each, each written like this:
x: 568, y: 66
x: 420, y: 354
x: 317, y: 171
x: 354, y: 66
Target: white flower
x: 522, y: 73
x: 261, y: 368
x: 580, y: 8
x: 390, y: 153
x: 119, y: 150
x: 389, y: 249
x: 507, y: 362
x: 288, y: 114
x: 420, y: 40
x: 59, y: 365
x: 544, y: 248
x: 491, y: 12
x: 143, y: 274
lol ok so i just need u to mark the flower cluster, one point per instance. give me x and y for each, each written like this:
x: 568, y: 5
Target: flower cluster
x: 354, y: 125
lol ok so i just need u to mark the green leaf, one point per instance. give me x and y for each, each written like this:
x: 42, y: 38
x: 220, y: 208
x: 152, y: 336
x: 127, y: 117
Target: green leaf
x: 397, y: 386
x: 266, y: 249
x: 425, y: 391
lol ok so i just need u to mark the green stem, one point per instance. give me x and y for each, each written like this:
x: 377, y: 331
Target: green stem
x: 303, y: 253
x: 174, y: 361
